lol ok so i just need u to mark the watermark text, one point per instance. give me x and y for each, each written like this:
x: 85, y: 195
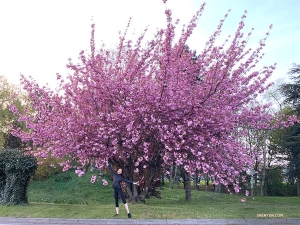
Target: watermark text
x: 270, y: 215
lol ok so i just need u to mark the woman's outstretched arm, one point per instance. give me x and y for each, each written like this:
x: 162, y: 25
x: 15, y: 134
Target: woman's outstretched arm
x: 110, y: 169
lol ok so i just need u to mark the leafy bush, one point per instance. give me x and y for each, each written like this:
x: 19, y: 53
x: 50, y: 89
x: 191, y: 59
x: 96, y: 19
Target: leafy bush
x: 275, y: 184
x: 274, y: 181
x: 46, y: 168
x: 290, y: 189
x: 16, y: 170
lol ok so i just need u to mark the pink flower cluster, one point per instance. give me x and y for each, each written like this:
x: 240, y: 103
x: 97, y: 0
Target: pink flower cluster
x: 79, y: 173
x: 104, y: 182
x: 93, y: 179
x: 247, y: 193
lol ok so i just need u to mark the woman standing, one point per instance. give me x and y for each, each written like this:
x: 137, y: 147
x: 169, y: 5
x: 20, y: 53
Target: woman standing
x: 117, y: 178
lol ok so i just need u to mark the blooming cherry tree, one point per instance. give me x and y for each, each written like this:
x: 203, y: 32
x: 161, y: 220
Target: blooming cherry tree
x: 149, y: 104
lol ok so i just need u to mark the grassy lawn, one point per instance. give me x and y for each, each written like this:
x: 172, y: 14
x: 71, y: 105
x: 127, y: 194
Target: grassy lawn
x: 68, y: 196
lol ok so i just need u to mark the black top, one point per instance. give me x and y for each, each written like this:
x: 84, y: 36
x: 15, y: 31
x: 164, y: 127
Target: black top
x: 117, y: 178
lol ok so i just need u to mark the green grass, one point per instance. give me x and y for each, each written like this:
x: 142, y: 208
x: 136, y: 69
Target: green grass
x: 68, y: 196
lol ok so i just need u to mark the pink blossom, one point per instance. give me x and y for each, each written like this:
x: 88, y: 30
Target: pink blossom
x: 79, y: 172
x: 104, y: 182
x: 93, y: 179
x: 243, y: 200
x: 247, y: 193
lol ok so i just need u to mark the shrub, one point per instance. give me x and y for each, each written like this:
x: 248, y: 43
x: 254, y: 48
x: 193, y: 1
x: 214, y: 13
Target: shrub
x: 275, y: 184
x: 46, y: 168
x: 16, y: 169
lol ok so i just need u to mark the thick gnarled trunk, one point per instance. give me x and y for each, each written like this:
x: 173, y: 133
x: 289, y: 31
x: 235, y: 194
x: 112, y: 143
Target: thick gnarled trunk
x: 148, y: 180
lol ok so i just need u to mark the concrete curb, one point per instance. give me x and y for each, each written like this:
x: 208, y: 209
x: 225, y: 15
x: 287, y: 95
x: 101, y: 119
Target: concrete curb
x: 52, y: 221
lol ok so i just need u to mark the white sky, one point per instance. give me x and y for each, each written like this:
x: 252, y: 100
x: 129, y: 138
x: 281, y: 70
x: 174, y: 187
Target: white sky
x: 38, y: 36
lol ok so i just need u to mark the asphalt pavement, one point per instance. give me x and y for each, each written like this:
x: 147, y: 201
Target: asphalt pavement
x: 55, y: 221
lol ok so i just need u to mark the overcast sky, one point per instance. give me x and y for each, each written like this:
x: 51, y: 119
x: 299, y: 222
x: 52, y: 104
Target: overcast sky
x: 38, y: 36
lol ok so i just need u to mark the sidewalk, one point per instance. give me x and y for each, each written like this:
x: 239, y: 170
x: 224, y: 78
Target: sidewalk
x: 52, y: 221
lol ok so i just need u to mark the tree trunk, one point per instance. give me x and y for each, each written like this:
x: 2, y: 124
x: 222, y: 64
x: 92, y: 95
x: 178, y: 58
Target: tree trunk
x: 132, y: 190
x: 171, y: 177
x: 218, y: 188
x: 187, y: 186
x: 263, y: 179
x: 255, y: 188
x: 142, y: 196
x: 149, y: 185
x: 177, y: 176
x: 133, y: 195
x: 206, y: 180
x: 252, y: 183
x: 174, y: 177
x: 196, y: 180
x: 262, y: 187
x: 298, y: 186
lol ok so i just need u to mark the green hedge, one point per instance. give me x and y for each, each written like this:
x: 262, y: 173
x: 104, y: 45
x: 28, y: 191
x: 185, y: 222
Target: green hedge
x: 16, y: 169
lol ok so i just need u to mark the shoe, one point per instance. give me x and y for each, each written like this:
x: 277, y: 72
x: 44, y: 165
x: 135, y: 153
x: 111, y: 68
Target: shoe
x: 116, y: 215
x: 129, y: 215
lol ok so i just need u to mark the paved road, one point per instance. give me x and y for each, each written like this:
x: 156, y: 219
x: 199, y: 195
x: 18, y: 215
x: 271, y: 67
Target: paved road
x: 56, y: 221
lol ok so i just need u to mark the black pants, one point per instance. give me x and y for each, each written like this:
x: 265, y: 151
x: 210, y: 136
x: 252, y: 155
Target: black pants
x: 118, y: 192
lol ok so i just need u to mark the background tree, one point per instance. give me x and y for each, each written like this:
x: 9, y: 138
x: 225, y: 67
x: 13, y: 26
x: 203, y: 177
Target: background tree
x: 292, y: 139
x: 149, y: 105
x: 266, y: 147
x: 6, y: 118
x: 10, y: 93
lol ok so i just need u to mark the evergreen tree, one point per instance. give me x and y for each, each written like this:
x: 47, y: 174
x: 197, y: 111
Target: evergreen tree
x: 292, y: 139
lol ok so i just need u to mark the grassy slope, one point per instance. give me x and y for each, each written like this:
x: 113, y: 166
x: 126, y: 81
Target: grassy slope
x: 68, y: 196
